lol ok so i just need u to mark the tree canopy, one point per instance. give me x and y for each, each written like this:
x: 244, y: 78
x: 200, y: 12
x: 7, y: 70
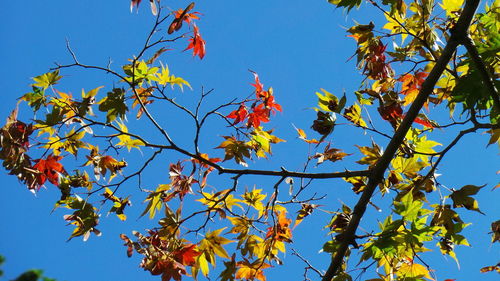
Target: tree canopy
x: 239, y: 179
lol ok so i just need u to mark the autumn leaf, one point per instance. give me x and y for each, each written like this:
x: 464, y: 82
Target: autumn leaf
x: 119, y: 204
x: 49, y: 169
x: 239, y: 115
x: 372, y: 154
x: 324, y: 124
x: 331, y: 154
x: 212, y: 245
x: 261, y: 141
x: 495, y: 230
x: 413, y: 270
x: 126, y: 140
x: 411, y: 86
x: 235, y: 149
x: 304, y: 212
x: 303, y: 136
x: 281, y: 231
x: 180, y: 16
x: 495, y: 267
x: 251, y: 271
x: 254, y: 198
x: 353, y: 114
x: 164, y: 78
x: 103, y: 163
x: 186, y: 254
x: 196, y: 43
x: 462, y: 197
x: 258, y: 114
x: 329, y: 102
x: 84, y: 217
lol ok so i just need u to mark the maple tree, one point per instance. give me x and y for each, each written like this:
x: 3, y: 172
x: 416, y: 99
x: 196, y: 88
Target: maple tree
x: 234, y: 232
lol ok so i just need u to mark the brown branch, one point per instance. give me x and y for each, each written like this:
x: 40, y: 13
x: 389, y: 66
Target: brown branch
x: 457, y: 34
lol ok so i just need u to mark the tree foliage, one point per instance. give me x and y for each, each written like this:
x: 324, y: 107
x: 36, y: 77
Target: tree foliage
x: 80, y: 144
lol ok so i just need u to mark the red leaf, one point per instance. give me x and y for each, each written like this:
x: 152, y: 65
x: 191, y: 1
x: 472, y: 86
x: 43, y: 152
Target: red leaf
x: 259, y: 114
x: 392, y: 113
x: 423, y: 122
x: 49, y: 169
x: 186, y: 255
x: 239, y: 115
x: 196, y: 43
x: 259, y: 87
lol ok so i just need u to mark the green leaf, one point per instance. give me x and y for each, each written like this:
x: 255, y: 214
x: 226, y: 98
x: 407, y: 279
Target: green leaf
x: 408, y: 208
x: 35, y: 99
x: 47, y: 79
x: 114, y: 105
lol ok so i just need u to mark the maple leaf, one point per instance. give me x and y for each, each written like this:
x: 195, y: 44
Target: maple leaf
x: 413, y: 270
x: 375, y: 66
x: 142, y: 97
x: 49, y: 169
x: 259, y: 114
x: 353, y: 114
x: 235, y: 149
x: 47, y: 79
x: 332, y: 154
x: 462, y: 197
x: 281, y: 231
x: 186, y: 255
x: 119, y: 203
x: 391, y: 112
x: 261, y: 141
x: 239, y: 115
x: 269, y: 101
x: 196, y: 43
x: 303, y: 136
x: 212, y: 245
x: 411, y: 86
x: 180, y: 16
x: 103, y: 163
x: 251, y: 271
x: 180, y: 183
x: 114, y: 105
x: 127, y: 141
x: 372, y: 154
x: 259, y: 87
x: 254, y: 198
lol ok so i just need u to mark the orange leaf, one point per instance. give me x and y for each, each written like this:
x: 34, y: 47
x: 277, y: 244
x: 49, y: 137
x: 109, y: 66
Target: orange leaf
x: 251, y: 271
x: 49, y: 169
x: 281, y: 231
x: 411, y: 86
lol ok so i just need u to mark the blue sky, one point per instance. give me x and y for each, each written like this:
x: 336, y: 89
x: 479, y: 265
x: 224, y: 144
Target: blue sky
x: 296, y: 47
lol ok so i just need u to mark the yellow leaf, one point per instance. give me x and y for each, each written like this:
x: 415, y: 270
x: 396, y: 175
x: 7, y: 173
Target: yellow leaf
x: 451, y: 6
x: 413, y: 270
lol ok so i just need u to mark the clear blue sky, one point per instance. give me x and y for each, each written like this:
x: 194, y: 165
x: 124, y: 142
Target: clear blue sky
x: 296, y: 47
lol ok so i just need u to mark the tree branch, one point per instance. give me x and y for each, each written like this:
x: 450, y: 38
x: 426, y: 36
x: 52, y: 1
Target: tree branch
x: 457, y: 34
